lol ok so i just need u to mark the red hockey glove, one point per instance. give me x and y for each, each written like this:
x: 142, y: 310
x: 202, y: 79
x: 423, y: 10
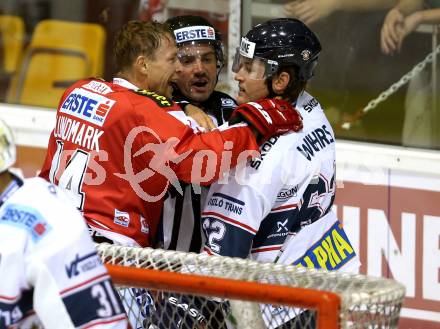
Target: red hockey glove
x: 269, y: 117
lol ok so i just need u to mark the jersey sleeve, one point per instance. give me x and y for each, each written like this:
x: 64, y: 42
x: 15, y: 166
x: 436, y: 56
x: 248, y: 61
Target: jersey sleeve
x: 239, y: 209
x: 215, y: 152
x: 250, y: 212
x: 72, y: 287
x: 195, y: 157
x: 231, y: 219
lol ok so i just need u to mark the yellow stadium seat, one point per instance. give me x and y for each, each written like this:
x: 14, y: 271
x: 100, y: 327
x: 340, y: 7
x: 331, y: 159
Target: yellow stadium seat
x: 59, y: 54
x: 12, y: 35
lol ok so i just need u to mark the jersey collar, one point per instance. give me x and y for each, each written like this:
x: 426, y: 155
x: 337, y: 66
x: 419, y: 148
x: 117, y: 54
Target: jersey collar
x: 124, y: 83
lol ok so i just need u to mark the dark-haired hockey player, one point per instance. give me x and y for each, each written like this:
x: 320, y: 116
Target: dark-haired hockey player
x: 279, y: 208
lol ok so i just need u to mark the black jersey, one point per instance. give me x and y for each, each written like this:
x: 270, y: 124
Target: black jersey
x: 180, y: 228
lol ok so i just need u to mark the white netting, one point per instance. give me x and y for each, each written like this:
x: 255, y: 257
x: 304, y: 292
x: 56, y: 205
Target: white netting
x: 366, y: 302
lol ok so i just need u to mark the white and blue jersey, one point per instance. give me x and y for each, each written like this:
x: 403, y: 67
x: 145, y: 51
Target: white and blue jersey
x: 278, y: 207
x: 288, y: 190
x: 50, y: 272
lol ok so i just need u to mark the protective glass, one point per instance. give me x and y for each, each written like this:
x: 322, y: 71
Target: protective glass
x: 254, y: 68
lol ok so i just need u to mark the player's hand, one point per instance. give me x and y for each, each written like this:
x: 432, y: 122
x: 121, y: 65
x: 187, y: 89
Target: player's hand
x: 391, y: 30
x: 268, y: 117
x: 200, y: 116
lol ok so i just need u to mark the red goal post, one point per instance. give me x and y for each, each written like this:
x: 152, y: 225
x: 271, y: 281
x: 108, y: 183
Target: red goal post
x: 306, y: 296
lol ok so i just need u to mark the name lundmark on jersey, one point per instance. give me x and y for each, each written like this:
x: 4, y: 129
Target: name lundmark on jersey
x: 78, y: 133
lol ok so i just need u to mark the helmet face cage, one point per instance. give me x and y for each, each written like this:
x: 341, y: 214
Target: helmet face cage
x: 7, y: 147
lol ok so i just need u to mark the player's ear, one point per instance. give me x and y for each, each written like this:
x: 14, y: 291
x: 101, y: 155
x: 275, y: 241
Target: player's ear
x: 141, y: 64
x: 280, y: 82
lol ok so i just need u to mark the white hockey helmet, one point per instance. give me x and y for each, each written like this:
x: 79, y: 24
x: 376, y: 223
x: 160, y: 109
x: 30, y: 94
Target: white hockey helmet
x: 8, y: 152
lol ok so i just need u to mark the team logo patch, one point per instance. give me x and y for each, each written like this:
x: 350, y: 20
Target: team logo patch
x: 193, y: 33
x: 82, y: 264
x: 331, y: 252
x: 247, y: 48
x: 305, y: 54
x: 26, y: 218
x: 287, y: 193
x: 87, y: 106
x: 121, y: 218
x: 145, y: 228
x: 227, y: 102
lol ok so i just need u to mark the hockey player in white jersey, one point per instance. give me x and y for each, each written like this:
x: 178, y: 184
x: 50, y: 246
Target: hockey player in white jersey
x: 51, y: 275
x: 278, y: 208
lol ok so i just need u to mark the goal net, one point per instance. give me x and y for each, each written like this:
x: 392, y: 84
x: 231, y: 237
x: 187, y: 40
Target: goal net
x: 170, y: 289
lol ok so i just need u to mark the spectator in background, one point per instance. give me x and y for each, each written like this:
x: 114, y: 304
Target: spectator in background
x: 50, y: 271
x: 351, y: 38
x: 152, y: 10
x: 403, y: 19
x: 419, y: 126
x: 310, y: 11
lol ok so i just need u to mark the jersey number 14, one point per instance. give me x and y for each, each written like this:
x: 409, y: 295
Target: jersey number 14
x: 72, y: 177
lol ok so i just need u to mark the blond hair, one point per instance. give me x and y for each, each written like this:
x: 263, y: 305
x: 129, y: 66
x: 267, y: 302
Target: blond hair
x: 138, y: 38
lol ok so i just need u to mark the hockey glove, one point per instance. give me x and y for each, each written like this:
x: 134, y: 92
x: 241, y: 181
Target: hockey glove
x: 268, y: 117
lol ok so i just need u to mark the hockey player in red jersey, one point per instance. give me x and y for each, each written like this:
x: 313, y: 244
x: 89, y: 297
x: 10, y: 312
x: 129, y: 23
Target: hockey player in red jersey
x: 116, y: 147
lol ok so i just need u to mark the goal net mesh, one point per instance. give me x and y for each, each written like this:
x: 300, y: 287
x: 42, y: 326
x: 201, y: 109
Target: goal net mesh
x: 365, y: 302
